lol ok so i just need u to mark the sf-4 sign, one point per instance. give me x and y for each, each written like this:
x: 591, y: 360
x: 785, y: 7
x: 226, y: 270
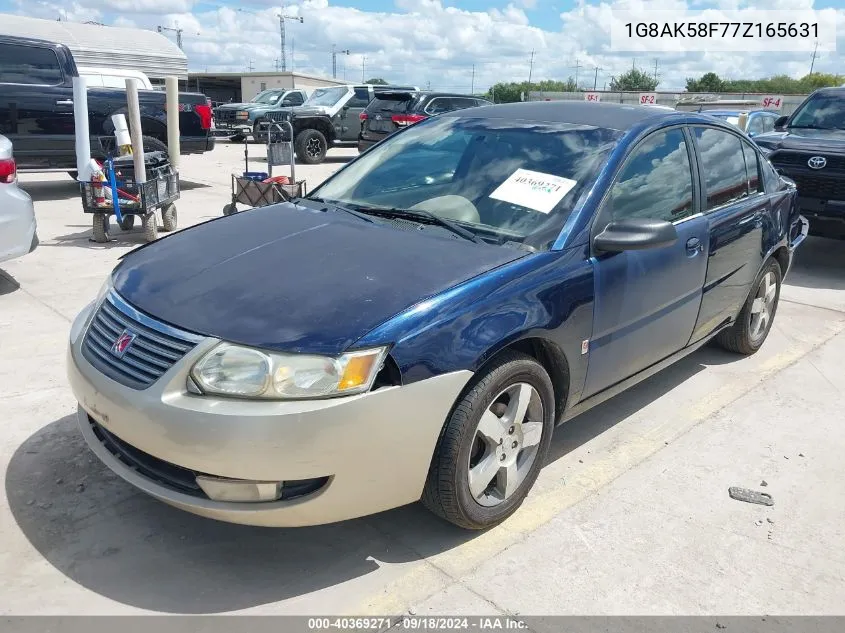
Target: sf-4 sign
x: 772, y: 102
x: 648, y: 98
x: 592, y: 96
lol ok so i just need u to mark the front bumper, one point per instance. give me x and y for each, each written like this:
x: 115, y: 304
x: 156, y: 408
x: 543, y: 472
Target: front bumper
x: 375, y: 448
x: 18, y: 226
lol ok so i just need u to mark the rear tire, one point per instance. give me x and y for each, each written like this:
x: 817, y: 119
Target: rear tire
x: 752, y: 326
x: 127, y: 222
x: 493, y: 444
x: 311, y: 147
x: 150, y: 222
x: 237, y: 138
x: 100, y: 227
x: 230, y: 209
x: 169, y: 218
x: 152, y: 144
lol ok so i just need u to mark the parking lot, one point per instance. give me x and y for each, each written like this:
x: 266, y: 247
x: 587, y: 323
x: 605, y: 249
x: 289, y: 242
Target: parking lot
x: 630, y: 515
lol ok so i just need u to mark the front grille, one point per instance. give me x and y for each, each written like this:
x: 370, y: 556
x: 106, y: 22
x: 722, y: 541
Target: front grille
x: 819, y: 186
x: 224, y: 116
x: 799, y: 159
x: 182, y: 479
x: 280, y: 115
x: 154, y: 350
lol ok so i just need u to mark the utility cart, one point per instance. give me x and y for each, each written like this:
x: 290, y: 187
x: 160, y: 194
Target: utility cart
x: 122, y: 196
x: 258, y: 188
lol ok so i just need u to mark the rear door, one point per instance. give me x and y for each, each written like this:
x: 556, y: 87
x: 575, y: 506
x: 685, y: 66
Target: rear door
x: 646, y: 302
x: 350, y: 120
x: 735, y: 204
x: 36, y: 112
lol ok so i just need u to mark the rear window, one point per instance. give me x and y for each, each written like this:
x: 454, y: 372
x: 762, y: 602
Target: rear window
x: 396, y: 104
x: 29, y: 65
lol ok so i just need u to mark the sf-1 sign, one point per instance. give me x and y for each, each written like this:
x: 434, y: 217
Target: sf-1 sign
x: 592, y: 96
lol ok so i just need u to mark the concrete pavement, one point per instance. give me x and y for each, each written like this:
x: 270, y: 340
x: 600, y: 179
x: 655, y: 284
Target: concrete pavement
x: 630, y: 515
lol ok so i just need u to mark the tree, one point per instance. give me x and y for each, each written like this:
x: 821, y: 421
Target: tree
x: 511, y: 92
x: 709, y: 82
x: 632, y: 81
x: 376, y: 81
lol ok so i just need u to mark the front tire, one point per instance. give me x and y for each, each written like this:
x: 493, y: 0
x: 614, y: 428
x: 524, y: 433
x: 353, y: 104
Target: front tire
x: 754, y: 322
x: 100, y: 227
x: 127, y: 222
x: 311, y: 147
x: 169, y: 218
x: 150, y: 222
x: 493, y: 444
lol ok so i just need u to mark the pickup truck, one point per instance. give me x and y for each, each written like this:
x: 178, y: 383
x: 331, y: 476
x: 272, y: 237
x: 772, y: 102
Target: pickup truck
x: 330, y: 117
x: 36, y: 109
x: 240, y: 120
x: 808, y: 147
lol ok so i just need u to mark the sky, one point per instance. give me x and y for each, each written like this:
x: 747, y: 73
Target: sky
x: 458, y: 45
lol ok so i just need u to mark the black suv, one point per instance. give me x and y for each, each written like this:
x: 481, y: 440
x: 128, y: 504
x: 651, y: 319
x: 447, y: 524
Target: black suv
x: 392, y: 110
x: 809, y: 148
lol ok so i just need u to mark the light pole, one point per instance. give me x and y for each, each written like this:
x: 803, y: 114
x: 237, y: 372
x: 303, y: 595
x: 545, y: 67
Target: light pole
x: 282, y: 17
x: 363, y: 63
x: 334, y: 59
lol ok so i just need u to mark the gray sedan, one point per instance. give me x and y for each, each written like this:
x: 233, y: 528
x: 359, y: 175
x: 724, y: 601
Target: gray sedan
x: 18, y: 234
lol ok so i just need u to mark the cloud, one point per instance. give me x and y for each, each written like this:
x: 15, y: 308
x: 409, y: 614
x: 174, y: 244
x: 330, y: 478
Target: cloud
x: 422, y: 41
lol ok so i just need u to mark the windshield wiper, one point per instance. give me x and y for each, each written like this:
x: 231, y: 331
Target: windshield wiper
x: 336, y: 205
x: 417, y: 213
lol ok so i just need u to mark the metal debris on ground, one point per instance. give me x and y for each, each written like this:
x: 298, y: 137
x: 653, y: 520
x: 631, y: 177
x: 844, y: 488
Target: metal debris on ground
x: 770, y: 520
x: 751, y: 496
x: 758, y: 522
x: 764, y: 483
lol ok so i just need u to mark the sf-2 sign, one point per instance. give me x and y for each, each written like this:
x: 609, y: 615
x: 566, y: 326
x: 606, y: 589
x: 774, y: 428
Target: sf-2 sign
x: 648, y: 98
x: 772, y: 102
x: 592, y: 96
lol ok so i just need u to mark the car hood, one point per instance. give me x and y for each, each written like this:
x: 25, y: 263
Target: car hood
x: 234, y: 106
x: 293, y: 279
x: 804, y: 139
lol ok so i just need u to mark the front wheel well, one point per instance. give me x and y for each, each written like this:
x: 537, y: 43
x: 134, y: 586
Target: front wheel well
x: 781, y: 256
x: 553, y: 360
x: 324, y: 127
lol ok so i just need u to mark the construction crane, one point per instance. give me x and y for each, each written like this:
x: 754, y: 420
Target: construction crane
x: 282, y: 17
x: 174, y: 29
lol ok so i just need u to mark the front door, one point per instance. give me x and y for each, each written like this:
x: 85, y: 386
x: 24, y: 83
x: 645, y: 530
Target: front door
x: 735, y: 205
x: 647, y: 302
x: 351, y: 115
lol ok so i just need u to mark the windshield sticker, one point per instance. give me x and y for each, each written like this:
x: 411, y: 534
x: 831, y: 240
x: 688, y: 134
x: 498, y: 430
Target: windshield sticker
x: 534, y: 190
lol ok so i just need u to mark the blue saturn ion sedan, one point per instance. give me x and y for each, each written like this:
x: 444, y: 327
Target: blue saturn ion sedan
x: 418, y: 326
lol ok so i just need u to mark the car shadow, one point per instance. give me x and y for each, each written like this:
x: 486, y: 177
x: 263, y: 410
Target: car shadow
x: 818, y: 263
x: 104, y: 535
x: 46, y: 190
x: 8, y: 284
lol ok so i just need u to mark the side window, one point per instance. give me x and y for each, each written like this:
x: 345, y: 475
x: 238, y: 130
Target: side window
x: 722, y: 165
x: 29, y: 65
x: 459, y: 103
x: 295, y: 98
x: 769, y: 123
x: 752, y: 169
x: 656, y: 181
x: 755, y: 125
x: 438, y: 105
x: 360, y: 99
x: 483, y: 102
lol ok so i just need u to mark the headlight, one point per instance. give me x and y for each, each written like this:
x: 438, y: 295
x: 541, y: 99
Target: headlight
x: 233, y: 370
x: 104, y: 290
x: 241, y: 114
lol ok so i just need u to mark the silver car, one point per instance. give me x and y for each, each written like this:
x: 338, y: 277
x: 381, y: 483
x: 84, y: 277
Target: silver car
x: 18, y: 235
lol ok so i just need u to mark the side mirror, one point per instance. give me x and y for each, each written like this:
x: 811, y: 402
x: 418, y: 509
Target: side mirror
x: 635, y: 234
x: 780, y: 122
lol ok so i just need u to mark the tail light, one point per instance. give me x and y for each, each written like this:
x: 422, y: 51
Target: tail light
x: 407, y: 119
x: 363, y: 116
x: 204, y: 113
x: 8, y: 171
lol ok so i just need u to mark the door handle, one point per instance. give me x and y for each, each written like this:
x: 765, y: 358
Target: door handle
x: 65, y: 102
x: 694, y: 246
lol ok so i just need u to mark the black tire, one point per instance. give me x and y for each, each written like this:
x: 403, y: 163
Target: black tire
x: 311, y: 147
x: 127, y: 222
x: 230, y: 209
x: 740, y: 336
x: 447, y: 492
x: 237, y: 138
x: 150, y: 222
x: 152, y: 144
x: 100, y: 227
x: 169, y: 218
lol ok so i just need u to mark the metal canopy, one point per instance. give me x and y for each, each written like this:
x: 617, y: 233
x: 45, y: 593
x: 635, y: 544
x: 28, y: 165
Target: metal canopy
x: 99, y: 46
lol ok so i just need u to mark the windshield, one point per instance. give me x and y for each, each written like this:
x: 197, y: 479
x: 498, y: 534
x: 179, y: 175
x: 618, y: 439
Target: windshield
x: 506, y: 181
x: 326, y: 96
x: 824, y: 111
x: 268, y: 96
x: 397, y: 103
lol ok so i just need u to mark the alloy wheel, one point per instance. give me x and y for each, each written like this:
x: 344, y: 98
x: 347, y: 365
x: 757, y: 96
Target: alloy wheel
x: 763, y: 306
x: 506, y: 443
x: 313, y: 147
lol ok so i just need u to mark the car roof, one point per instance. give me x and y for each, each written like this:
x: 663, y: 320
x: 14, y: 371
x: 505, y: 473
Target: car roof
x: 836, y: 90
x: 738, y: 112
x: 613, y: 116
x: 427, y: 93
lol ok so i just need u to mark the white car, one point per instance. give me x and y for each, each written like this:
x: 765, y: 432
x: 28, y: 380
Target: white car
x: 18, y: 235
